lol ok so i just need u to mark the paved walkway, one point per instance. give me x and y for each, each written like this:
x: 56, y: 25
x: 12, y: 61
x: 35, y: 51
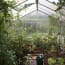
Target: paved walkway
x: 33, y: 62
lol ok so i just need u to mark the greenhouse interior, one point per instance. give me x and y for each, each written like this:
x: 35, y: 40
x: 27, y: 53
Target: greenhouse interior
x: 32, y: 32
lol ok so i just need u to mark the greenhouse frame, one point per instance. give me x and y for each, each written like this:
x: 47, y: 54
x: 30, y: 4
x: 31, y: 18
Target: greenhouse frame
x: 32, y: 32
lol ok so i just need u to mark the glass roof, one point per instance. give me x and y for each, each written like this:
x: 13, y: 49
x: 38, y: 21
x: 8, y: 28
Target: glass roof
x: 48, y: 4
x: 27, y: 10
x: 20, y: 1
x: 35, y: 15
x: 25, y: 7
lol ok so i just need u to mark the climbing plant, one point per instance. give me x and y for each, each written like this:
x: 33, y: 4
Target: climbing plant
x: 7, y: 57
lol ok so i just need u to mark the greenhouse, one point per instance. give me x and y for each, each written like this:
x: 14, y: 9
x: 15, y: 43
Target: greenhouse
x: 32, y: 32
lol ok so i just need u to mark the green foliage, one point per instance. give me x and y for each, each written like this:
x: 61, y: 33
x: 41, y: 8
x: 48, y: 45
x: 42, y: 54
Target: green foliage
x: 53, y: 24
x: 60, y: 4
x: 39, y: 43
x: 60, y: 61
x: 51, y: 61
x: 7, y: 56
x: 42, y: 42
x: 4, y: 7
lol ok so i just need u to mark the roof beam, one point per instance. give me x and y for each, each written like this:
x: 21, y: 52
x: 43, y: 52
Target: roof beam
x: 37, y: 1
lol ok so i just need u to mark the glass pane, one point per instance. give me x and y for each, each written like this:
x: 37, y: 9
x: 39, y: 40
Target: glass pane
x: 48, y: 4
x: 35, y: 15
x: 19, y: 1
x: 14, y: 12
x: 25, y: 4
x: 38, y: 22
x: 44, y: 9
x: 27, y: 10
